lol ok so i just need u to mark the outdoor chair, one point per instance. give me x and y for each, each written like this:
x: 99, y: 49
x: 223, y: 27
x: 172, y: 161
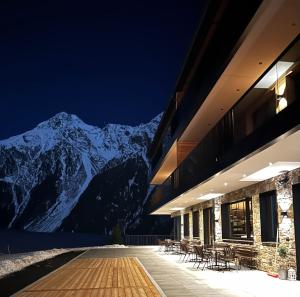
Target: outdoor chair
x: 168, y: 246
x: 161, y: 244
x: 185, y: 252
x: 207, y: 257
x: 227, y: 256
x: 200, y: 257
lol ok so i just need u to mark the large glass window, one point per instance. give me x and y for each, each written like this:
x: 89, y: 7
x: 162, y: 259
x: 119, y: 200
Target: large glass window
x: 275, y: 91
x: 237, y: 220
x: 186, y: 225
x: 268, y: 216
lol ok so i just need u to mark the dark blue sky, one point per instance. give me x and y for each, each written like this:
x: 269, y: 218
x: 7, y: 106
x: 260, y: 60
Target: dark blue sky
x: 106, y: 61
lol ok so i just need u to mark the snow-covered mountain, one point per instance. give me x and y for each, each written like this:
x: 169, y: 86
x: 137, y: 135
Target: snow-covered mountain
x: 67, y: 175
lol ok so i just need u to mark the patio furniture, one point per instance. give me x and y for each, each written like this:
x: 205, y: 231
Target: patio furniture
x: 169, y: 245
x: 246, y: 256
x: 202, y: 256
x: 161, y: 245
x: 227, y: 256
x: 185, y: 251
x: 214, y: 253
x: 176, y: 247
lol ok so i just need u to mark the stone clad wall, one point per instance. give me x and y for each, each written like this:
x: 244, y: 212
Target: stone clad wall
x: 218, y: 219
x: 267, y: 259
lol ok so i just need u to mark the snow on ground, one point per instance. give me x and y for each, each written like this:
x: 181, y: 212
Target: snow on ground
x: 10, y: 263
x: 15, y: 262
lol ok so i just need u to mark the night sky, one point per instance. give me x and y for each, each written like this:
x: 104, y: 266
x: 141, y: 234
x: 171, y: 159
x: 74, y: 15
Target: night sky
x: 105, y: 61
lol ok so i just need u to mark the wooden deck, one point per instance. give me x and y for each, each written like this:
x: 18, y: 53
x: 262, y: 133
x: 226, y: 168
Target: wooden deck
x: 105, y: 277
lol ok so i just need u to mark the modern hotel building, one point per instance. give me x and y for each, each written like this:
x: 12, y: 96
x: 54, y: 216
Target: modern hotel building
x: 226, y: 155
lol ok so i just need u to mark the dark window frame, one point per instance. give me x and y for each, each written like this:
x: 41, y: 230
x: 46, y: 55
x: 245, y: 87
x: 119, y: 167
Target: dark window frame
x: 186, y: 226
x: 228, y: 220
x: 196, y: 231
x: 268, y: 216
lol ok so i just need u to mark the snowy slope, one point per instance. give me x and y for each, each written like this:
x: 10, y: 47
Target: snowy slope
x: 45, y: 171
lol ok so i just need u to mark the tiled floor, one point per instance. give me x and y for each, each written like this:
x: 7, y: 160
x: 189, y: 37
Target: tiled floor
x: 180, y: 279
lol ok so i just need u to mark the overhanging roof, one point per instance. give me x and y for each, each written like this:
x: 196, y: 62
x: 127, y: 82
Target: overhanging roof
x: 281, y: 154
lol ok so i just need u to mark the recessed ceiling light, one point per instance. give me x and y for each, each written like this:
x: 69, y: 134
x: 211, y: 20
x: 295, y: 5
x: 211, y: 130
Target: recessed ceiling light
x: 210, y: 196
x: 271, y: 171
x: 177, y: 208
x: 226, y: 184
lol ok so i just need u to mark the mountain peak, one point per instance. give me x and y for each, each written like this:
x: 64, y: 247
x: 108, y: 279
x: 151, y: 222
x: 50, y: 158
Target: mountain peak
x: 63, y: 119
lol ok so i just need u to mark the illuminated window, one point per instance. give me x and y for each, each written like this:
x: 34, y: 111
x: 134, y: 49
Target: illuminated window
x: 237, y: 220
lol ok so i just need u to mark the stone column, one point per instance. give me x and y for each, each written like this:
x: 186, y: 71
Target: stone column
x: 256, y: 220
x: 283, y: 184
x: 201, y: 230
x: 218, y: 226
x: 182, y: 225
x: 191, y: 224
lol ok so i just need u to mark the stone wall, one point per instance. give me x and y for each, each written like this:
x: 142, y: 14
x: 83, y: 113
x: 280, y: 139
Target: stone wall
x: 267, y: 259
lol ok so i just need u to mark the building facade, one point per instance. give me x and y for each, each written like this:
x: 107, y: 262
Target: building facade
x: 226, y: 155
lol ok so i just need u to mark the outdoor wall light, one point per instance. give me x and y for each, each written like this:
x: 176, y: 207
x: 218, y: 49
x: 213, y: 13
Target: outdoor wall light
x: 281, y: 105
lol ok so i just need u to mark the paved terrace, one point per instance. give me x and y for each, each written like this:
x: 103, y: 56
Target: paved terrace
x: 180, y: 279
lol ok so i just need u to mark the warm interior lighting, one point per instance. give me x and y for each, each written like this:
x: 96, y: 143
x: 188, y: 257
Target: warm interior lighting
x: 271, y: 171
x: 210, y: 196
x: 274, y: 74
x: 282, y: 104
x: 280, y: 86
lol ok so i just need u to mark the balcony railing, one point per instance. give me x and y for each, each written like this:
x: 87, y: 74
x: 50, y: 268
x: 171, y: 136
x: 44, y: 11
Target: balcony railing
x: 145, y: 239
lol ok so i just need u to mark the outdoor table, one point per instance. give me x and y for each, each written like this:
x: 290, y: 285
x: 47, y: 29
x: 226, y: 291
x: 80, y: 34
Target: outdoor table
x: 215, y: 251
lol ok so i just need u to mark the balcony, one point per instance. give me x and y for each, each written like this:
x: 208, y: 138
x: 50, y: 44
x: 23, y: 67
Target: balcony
x: 267, y: 111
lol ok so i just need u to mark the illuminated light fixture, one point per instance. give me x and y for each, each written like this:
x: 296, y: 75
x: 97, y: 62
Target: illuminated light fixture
x: 282, y: 104
x: 210, y: 196
x: 270, y: 163
x: 177, y: 208
x: 280, y: 86
x: 226, y: 184
x: 244, y: 175
x: 274, y: 74
x: 271, y: 171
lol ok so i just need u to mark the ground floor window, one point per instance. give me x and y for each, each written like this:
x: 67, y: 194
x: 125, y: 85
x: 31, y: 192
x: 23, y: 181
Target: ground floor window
x: 186, y: 225
x: 196, y: 224
x: 237, y: 220
x: 268, y: 216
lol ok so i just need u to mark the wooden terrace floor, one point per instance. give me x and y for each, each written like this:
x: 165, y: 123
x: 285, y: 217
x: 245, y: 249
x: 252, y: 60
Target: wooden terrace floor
x: 105, y: 277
